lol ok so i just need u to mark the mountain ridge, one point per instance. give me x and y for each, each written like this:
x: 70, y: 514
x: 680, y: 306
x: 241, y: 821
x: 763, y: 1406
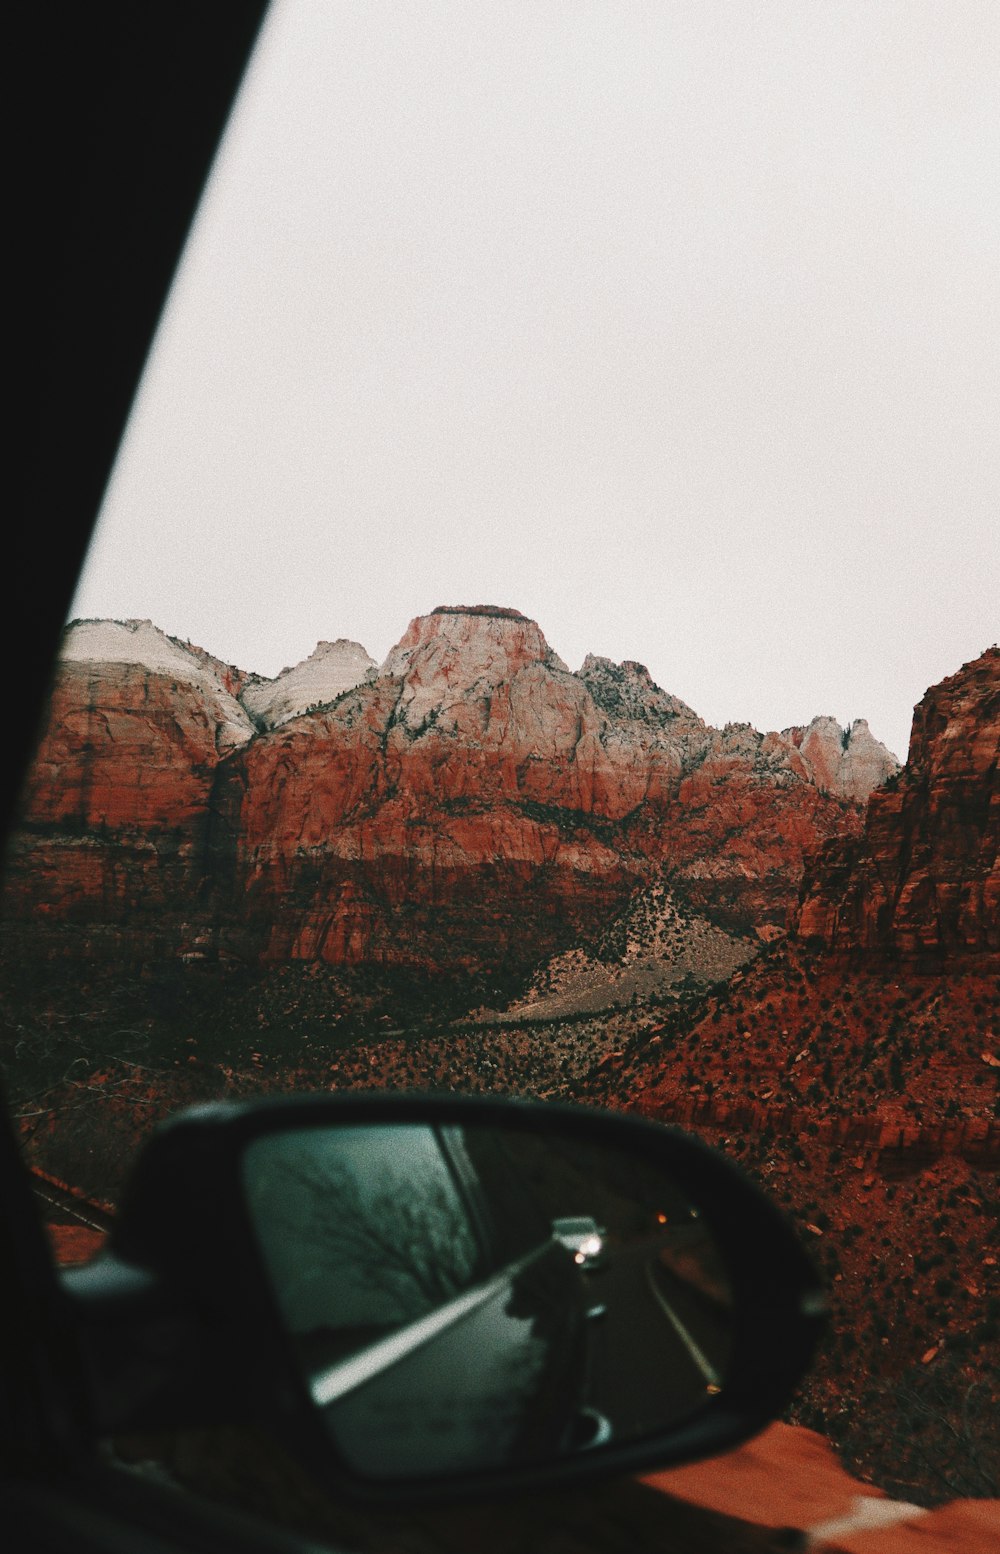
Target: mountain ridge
x: 471, y: 801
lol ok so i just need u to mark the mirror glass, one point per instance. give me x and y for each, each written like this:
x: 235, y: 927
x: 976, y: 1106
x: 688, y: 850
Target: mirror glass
x: 461, y: 1298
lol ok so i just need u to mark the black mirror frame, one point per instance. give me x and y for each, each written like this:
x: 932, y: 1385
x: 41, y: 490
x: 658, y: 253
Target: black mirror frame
x: 194, y: 1301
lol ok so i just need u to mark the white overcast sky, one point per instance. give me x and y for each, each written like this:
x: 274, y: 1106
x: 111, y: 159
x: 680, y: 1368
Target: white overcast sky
x: 674, y: 325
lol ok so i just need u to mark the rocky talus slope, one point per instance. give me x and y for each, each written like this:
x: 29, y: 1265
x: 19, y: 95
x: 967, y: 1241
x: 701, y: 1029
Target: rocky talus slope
x: 652, y: 947
x: 469, y: 803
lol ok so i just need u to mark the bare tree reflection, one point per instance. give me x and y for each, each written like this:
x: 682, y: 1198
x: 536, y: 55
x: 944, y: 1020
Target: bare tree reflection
x: 411, y: 1239
x: 362, y: 1229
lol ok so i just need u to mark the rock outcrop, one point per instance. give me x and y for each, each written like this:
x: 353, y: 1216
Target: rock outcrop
x: 149, y: 653
x: 626, y: 692
x: 884, y: 997
x: 850, y: 762
x: 478, y: 802
x: 331, y: 669
x: 922, y: 881
x: 117, y: 800
x: 471, y: 803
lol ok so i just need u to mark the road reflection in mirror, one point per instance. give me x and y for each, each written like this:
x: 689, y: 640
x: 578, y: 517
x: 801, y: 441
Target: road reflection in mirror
x: 463, y: 1298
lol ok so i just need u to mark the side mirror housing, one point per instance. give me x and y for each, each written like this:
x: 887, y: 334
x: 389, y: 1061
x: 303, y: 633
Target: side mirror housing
x: 440, y: 1297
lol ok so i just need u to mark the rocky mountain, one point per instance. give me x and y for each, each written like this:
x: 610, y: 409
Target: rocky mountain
x: 471, y: 802
x: 190, y: 672
x: 850, y: 762
x: 331, y: 669
x: 116, y: 807
x: 887, y: 989
x: 922, y: 880
x: 854, y: 1068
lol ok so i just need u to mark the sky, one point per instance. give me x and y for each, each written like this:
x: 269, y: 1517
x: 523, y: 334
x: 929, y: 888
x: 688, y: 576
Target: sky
x: 672, y: 323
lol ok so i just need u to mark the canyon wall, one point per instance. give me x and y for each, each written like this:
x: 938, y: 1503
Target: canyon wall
x: 922, y: 882
x: 884, y: 999
x: 471, y: 802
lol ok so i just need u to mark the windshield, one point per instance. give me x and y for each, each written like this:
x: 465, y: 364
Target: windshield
x: 567, y: 459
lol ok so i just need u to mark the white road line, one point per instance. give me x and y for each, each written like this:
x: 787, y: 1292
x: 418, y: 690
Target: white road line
x: 697, y: 1354
x: 336, y: 1380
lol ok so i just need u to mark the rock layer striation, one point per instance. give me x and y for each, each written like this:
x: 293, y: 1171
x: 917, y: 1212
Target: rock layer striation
x: 470, y: 803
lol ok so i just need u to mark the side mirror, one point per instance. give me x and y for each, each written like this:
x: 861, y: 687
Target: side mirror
x: 426, y: 1297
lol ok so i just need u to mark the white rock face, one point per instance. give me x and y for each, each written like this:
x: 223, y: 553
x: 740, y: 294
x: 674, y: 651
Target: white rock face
x: 130, y: 642
x: 454, y: 662
x: 331, y: 669
x: 142, y: 643
x: 850, y: 763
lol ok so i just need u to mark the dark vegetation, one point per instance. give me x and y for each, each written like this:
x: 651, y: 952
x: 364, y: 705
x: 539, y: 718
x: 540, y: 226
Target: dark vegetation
x: 906, y: 1385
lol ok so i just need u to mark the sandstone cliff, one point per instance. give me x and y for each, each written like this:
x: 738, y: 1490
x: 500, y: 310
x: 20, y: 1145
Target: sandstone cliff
x: 923, y: 878
x: 330, y: 670
x: 116, y: 803
x: 854, y: 1069
x: 850, y: 762
x: 472, y: 802
x: 885, y: 997
x: 476, y: 801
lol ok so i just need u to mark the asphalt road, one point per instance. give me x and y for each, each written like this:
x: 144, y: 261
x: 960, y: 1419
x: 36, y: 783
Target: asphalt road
x: 658, y: 1348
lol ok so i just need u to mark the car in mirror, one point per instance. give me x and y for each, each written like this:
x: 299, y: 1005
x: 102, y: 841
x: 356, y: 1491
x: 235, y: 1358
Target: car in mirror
x: 431, y: 1297
x: 584, y: 1237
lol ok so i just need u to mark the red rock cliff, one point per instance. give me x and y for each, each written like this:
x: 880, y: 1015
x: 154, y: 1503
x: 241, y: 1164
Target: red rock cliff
x: 922, y: 881
x: 472, y: 802
x: 115, y: 808
x: 476, y: 801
